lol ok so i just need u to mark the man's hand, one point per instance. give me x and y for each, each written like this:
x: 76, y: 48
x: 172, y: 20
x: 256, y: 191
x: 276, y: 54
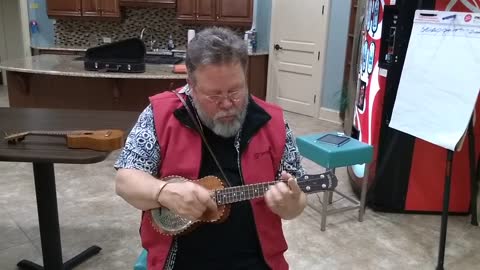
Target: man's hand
x: 187, y: 199
x: 287, y: 201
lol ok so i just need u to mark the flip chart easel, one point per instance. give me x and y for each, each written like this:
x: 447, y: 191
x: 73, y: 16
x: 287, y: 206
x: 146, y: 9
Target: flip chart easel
x: 439, y: 87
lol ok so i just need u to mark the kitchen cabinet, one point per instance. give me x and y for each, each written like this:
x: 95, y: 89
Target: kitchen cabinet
x: 91, y: 8
x: 196, y: 10
x: 64, y: 8
x: 110, y: 8
x: 84, y: 8
x: 234, y: 11
x: 186, y: 10
x: 149, y: 3
x: 215, y: 12
x: 205, y: 10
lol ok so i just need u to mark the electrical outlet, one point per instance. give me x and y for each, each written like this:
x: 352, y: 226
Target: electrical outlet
x: 107, y: 40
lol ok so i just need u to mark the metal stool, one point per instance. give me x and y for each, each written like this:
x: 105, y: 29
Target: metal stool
x: 331, y: 156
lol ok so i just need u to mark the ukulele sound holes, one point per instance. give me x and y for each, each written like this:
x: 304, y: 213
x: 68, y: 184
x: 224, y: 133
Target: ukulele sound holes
x: 169, y: 221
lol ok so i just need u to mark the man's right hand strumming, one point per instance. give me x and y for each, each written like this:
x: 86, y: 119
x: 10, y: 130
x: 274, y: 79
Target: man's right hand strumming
x: 187, y: 199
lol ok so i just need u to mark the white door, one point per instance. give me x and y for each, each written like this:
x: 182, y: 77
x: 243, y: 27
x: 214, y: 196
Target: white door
x: 297, y: 45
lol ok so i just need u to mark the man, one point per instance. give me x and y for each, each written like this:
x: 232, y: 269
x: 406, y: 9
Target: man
x: 251, y: 142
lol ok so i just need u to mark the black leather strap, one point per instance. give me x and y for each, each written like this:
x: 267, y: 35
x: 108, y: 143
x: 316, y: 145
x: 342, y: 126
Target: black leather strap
x: 197, y: 124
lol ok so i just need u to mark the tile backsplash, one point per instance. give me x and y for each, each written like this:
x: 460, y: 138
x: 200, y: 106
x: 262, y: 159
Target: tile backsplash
x: 159, y: 24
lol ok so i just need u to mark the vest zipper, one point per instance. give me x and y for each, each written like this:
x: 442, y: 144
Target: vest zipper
x: 237, y: 147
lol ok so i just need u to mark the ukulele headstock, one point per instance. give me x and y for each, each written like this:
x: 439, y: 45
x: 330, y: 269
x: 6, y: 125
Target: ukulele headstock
x: 16, y: 137
x: 312, y: 183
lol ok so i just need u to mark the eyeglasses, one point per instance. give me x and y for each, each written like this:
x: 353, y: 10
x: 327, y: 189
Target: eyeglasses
x: 232, y: 96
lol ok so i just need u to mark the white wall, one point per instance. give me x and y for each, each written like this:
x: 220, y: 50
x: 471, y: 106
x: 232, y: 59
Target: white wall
x: 14, y: 31
x: 262, y: 16
x: 3, y: 49
x: 45, y: 37
x: 3, y: 46
x: 336, y: 52
x: 15, y: 36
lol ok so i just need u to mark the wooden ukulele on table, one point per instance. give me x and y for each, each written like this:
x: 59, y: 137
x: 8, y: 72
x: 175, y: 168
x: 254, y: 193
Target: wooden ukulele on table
x: 99, y: 140
x: 169, y: 223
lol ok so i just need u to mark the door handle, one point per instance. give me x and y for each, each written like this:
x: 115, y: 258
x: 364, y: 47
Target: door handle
x: 277, y: 47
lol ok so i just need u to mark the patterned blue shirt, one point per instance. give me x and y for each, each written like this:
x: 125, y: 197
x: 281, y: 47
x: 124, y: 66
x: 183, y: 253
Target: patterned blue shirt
x: 142, y: 150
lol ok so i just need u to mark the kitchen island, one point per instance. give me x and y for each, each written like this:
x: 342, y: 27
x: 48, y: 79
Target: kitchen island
x: 60, y: 81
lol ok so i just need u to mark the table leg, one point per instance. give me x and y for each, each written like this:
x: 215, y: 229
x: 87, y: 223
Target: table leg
x: 446, y: 203
x: 48, y: 223
x: 85, y: 255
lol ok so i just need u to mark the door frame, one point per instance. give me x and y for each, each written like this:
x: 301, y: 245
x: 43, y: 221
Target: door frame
x: 320, y: 67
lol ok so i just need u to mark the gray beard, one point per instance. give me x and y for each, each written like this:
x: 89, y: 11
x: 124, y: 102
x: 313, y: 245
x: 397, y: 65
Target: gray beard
x: 225, y: 130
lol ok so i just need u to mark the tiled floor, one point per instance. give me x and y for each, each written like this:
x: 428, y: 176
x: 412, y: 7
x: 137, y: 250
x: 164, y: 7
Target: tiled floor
x: 90, y: 213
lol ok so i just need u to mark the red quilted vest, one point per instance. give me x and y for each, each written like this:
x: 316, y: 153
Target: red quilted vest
x: 181, y: 153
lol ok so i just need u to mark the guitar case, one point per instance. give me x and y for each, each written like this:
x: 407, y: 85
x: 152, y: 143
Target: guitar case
x: 127, y: 56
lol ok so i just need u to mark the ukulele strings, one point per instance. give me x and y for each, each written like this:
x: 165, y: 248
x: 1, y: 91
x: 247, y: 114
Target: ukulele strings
x: 232, y: 191
x: 59, y: 132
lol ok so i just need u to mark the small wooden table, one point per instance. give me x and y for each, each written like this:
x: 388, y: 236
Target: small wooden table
x: 44, y: 152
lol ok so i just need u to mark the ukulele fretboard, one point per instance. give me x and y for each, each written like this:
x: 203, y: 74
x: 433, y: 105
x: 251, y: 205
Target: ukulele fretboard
x: 309, y: 184
x: 242, y: 193
x: 56, y: 132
